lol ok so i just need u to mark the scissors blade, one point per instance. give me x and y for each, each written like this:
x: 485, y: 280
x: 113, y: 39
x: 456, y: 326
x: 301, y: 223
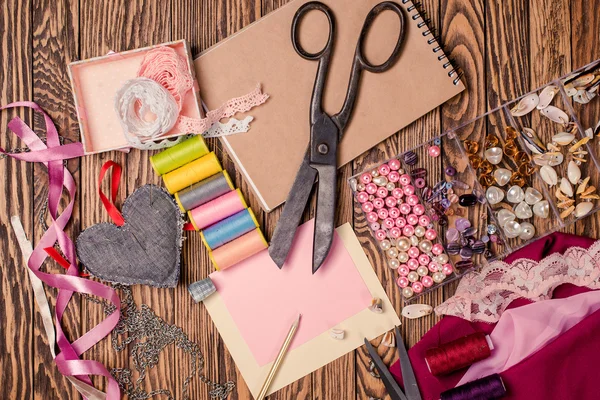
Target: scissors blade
x: 292, y: 212
x: 390, y: 383
x: 325, y: 215
x: 408, y: 375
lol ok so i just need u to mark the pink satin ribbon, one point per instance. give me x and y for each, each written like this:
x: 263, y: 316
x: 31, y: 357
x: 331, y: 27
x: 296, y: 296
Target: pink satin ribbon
x: 52, y: 156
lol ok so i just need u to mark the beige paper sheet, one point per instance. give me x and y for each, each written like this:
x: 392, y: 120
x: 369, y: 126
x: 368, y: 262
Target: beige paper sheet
x: 270, y: 153
x: 319, y: 351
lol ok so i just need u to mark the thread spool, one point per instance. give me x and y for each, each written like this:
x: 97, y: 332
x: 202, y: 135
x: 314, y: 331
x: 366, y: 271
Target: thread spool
x: 217, y: 209
x: 179, y: 155
x: 458, y: 354
x: 204, y: 191
x: 229, y: 229
x: 488, y: 388
x: 192, y: 173
x: 238, y: 250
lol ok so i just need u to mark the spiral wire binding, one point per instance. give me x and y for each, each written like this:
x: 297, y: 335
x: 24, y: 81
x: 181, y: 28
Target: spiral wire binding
x: 434, y: 40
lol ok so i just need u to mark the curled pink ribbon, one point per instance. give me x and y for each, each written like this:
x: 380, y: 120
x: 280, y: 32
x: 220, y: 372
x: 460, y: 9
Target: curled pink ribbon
x: 52, y: 155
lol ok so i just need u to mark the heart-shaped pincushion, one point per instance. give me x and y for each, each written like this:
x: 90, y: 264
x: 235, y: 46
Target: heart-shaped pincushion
x: 145, y: 250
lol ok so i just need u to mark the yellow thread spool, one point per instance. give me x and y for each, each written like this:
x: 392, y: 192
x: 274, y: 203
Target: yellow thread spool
x: 179, y: 155
x: 238, y: 250
x: 191, y: 173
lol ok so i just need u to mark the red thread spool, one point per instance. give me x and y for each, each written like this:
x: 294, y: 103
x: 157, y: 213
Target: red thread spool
x: 458, y: 354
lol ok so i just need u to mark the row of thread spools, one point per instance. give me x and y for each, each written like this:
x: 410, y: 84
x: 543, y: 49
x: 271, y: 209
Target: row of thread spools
x: 228, y: 227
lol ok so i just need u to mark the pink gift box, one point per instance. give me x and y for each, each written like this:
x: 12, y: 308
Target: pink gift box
x: 95, y: 83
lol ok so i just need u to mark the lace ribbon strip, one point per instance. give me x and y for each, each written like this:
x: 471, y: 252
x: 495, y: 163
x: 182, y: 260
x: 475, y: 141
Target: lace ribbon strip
x: 484, y: 296
x: 52, y: 155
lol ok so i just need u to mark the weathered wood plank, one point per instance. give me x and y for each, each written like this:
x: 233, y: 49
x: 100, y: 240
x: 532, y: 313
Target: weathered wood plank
x: 55, y: 44
x: 16, y: 312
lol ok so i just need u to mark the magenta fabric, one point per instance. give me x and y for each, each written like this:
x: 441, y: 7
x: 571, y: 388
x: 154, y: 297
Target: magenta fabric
x: 560, y: 370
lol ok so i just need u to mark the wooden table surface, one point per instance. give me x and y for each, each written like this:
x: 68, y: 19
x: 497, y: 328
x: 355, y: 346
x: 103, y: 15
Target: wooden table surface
x: 505, y: 48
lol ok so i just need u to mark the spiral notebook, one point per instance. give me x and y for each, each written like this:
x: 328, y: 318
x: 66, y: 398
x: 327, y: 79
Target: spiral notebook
x: 270, y: 153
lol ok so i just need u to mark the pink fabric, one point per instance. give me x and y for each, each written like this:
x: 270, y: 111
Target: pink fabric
x: 559, y: 370
x: 51, y: 155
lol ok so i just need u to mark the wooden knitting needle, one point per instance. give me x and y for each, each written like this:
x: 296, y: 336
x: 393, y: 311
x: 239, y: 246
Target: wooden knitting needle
x: 275, y: 366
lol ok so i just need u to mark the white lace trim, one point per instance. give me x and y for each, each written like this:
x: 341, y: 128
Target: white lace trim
x: 483, y: 296
x: 232, y: 127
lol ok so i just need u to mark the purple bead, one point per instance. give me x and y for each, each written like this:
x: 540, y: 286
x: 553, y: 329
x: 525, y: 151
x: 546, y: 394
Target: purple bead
x: 450, y: 171
x: 460, y: 185
x: 485, y: 238
x: 466, y: 252
x: 494, y: 238
x: 418, y: 173
x: 453, y: 248
x: 420, y: 183
x: 462, y: 224
x: 446, y: 203
x: 469, y: 232
x: 478, y: 247
x: 467, y: 200
x: 464, y: 264
x: 452, y: 235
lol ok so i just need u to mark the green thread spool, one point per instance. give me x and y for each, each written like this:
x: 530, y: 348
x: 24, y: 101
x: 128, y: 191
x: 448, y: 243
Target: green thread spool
x: 179, y: 155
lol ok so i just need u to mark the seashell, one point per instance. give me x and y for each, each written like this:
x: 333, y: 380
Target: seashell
x: 583, y: 209
x: 567, y: 212
x: 551, y: 159
x: 512, y: 229
x: 541, y: 209
x: 552, y: 147
x: 546, y: 96
x: 573, y: 172
x: 563, y: 138
x: 555, y: 114
x: 565, y: 187
x: 532, y: 141
x: 494, y: 155
x: 527, y: 231
x: 548, y: 174
x: 582, y: 186
x: 337, y: 333
x: 570, y: 90
x: 376, y: 305
x: 504, y: 215
x: 502, y: 176
x: 415, y: 311
x: 532, y: 196
x: 494, y: 195
x: 590, y: 197
x: 560, y: 195
x: 579, y: 144
x: 526, y: 105
x: 565, y: 204
x: 515, y: 194
x: 582, y: 80
x: 389, y: 339
x: 583, y: 96
x: 523, y: 211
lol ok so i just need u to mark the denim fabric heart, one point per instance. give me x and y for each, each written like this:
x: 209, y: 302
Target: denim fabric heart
x: 146, y: 250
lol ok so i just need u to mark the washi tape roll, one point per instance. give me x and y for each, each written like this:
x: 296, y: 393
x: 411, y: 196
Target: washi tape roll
x: 217, y: 210
x: 229, y: 229
x: 192, y: 173
x: 238, y: 250
x: 179, y: 155
x: 204, y: 191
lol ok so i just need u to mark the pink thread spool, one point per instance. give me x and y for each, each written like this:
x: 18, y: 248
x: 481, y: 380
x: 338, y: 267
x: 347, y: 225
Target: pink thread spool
x: 217, y: 210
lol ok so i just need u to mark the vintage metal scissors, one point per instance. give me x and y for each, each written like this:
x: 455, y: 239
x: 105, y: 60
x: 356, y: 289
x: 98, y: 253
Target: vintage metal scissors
x: 325, y: 133
x: 408, y: 375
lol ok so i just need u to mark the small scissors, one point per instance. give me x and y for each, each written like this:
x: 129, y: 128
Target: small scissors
x: 408, y: 376
x: 325, y: 133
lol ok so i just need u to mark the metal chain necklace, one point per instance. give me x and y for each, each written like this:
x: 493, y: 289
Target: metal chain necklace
x: 149, y: 335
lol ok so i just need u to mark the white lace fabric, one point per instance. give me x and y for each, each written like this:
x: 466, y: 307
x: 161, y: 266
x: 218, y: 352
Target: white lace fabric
x: 484, y: 295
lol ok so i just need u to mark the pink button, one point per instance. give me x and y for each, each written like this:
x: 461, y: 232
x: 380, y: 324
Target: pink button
x: 424, y: 259
x: 393, y: 176
x: 378, y: 203
x: 388, y: 223
x: 419, y: 209
x: 371, y: 188
x: 427, y: 281
x: 424, y: 220
x: 367, y: 207
x: 430, y: 234
x: 366, y: 178
x: 394, y: 164
x: 400, y: 222
x: 409, y: 190
x: 382, y: 213
x: 437, y: 249
x: 402, y: 281
x: 408, y: 230
x: 394, y: 212
x: 412, y: 219
x: 384, y: 169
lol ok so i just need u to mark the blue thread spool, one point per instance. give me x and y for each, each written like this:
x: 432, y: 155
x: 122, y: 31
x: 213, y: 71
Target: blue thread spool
x: 229, y: 229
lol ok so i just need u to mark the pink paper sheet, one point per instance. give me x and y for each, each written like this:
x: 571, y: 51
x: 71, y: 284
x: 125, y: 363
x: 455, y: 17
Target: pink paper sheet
x: 264, y: 300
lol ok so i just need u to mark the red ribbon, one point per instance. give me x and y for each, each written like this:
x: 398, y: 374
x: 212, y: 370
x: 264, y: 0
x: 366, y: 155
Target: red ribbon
x: 112, y: 210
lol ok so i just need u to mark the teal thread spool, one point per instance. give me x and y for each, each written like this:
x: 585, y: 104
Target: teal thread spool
x: 229, y: 229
